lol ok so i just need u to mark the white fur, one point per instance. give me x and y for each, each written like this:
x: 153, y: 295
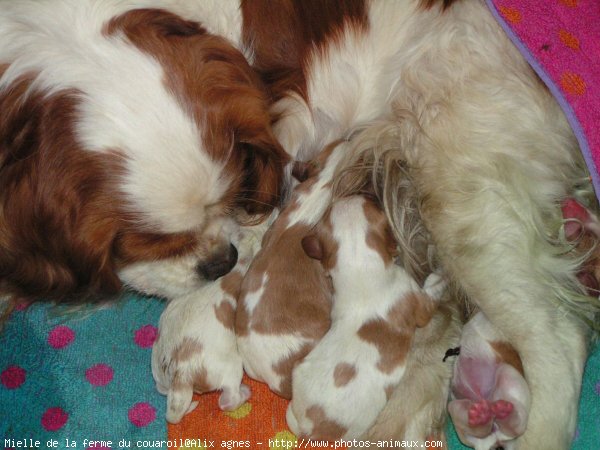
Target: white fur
x: 191, y: 318
x: 261, y: 352
x: 125, y: 106
x: 492, y: 380
x: 492, y: 157
x: 176, y: 277
x: 364, y: 289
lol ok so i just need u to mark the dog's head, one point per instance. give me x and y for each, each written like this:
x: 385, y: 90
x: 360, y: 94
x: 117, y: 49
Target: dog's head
x: 132, y: 146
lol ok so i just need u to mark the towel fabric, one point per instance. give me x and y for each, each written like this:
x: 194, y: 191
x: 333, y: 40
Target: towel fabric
x: 561, y: 40
x: 76, y: 377
x: 65, y: 379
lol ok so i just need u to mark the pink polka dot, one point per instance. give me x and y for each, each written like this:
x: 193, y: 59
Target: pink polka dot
x: 598, y: 388
x: 54, y: 419
x: 12, y: 377
x: 145, y: 336
x: 96, y: 447
x: 22, y: 305
x: 142, y: 414
x: 60, y: 337
x: 99, y: 375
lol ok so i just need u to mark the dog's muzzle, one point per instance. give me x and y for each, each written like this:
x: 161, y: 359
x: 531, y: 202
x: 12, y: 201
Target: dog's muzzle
x: 219, y: 265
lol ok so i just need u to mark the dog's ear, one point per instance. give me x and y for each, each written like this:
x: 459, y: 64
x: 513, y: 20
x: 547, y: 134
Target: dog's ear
x: 313, y: 247
x: 264, y: 163
x: 153, y: 24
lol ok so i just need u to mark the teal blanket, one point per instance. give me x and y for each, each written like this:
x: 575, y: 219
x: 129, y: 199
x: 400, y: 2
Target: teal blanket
x: 70, y: 379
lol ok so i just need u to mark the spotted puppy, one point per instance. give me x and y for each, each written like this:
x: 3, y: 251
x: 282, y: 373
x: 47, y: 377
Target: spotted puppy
x: 200, y: 355
x: 285, y: 299
x: 342, y: 385
x: 491, y: 398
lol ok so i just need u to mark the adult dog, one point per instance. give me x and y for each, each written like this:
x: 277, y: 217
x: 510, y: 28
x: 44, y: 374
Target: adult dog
x: 128, y: 134
x: 486, y: 144
x: 489, y: 149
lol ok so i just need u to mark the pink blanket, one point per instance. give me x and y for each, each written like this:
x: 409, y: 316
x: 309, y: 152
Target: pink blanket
x: 561, y: 40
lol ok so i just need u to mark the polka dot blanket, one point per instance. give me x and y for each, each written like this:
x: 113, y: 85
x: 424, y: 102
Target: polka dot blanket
x: 68, y: 379
x: 561, y: 41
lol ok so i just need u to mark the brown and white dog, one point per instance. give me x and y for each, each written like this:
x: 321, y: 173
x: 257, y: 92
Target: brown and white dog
x: 489, y: 148
x: 490, y: 151
x: 341, y: 386
x: 285, y: 298
x: 490, y: 398
x: 128, y: 134
x: 201, y: 355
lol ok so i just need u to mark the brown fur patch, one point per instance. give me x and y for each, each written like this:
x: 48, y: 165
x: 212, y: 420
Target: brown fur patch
x: 232, y: 283
x: 392, y: 345
x: 296, y: 296
x: 58, y: 205
x: 343, y: 374
x: 285, y: 367
x: 214, y: 82
x: 225, y: 314
x: 379, y: 237
x: 188, y: 349
x: 324, y: 427
x: 283, y: 37
x: 506, y: 353
x: 393, y: 337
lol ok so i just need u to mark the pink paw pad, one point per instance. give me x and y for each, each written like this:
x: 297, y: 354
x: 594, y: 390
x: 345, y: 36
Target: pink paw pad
x: 502, y: 409
x: 480, y: 413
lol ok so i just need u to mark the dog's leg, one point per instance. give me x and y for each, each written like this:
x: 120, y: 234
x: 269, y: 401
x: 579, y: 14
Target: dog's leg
x: 417, y: 408
x: 485, y: 222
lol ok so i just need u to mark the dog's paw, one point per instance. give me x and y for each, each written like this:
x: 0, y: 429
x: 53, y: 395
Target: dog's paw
x: 231, y: 399
x: 434, y: 286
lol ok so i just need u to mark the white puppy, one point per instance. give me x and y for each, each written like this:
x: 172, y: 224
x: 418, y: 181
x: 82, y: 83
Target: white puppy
x: 342, y: 385
x: 200, y: 354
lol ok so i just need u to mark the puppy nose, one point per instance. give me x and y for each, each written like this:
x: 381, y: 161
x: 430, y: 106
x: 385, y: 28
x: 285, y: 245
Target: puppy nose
x: 219, y: 265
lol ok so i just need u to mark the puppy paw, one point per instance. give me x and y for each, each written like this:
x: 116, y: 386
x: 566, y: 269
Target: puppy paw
x: 233, y: 399
x: 434, y: 286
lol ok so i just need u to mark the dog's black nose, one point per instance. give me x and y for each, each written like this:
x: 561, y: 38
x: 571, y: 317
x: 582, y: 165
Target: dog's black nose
x: 500, y: 448
x: 219, y: 265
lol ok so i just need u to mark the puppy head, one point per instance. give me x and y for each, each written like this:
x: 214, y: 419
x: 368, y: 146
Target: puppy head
x: 141, y: 165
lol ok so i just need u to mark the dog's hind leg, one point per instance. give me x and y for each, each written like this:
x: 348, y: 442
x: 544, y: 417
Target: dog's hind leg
x: 487, y: 212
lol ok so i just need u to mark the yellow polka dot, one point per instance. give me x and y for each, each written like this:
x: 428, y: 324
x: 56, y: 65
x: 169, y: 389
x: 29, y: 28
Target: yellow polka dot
x: 513, y: 15
x: 568, y: 39
x: 241, y: 412
x: 283, y: 436
x: 572, y: 83
x: 569, y: 3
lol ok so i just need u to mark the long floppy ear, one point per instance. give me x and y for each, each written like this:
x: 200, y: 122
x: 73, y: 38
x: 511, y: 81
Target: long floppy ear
x: 312, y: 247
x: 264, y: 165
x: 54, y: 237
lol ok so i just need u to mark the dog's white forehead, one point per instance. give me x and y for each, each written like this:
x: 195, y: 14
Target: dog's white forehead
x: 125, y: 107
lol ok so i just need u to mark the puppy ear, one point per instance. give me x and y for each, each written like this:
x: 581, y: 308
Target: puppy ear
x: 312, y: 247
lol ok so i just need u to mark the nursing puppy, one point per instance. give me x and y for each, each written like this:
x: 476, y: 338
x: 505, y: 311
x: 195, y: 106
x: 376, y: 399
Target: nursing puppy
x: 201, y: 356
x: 345, y: 381
x: 488, y: 146
x: 490, y: 398
x: 285, y: 299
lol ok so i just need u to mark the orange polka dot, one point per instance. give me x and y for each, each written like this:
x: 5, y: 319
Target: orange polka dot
x: 513, y: 15
x: 568, y: 39
x: 572, y: 83
x: 569, y: 3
